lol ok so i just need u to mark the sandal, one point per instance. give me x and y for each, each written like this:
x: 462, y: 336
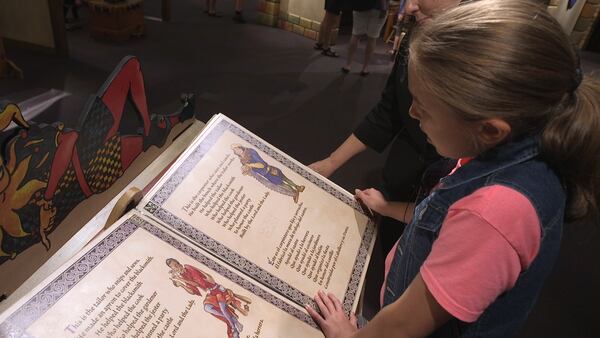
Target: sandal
x: 363, y: 73
x: 215, y: 14
x: 318, y: 46
x: 330, y: 52
x: 345, y: 70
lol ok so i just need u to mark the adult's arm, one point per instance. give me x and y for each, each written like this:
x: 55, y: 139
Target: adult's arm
x: 341, y: 155
x: 378, y: 128
x: 386, y: 119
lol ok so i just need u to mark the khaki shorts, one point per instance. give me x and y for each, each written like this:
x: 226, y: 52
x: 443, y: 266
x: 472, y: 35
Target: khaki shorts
x: 367, y: 23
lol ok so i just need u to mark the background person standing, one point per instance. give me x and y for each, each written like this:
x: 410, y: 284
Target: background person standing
x: 333, y: 9
x: 368, y: 18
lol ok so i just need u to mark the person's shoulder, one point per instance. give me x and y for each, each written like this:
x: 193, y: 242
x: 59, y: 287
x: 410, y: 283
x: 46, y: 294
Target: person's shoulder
x: 495, y: 199
x: 505, y: 209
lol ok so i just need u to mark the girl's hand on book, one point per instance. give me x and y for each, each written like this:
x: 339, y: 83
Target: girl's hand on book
x: 332, y: 319
x: 373, y: 199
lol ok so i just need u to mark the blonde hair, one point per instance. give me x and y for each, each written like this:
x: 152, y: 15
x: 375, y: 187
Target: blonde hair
x: 510, y: 59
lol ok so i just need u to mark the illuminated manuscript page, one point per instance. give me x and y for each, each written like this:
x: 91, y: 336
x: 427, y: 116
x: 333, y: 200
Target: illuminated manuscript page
x: 139, y: 280
x: 266, y: 214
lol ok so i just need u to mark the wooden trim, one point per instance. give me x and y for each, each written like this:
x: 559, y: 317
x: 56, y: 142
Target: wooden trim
x: 7, y: 67
x: 57, y: 19
x: 128, y: 201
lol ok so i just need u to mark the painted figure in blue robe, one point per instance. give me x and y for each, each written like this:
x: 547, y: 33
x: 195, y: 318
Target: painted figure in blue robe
x: 272, y: 177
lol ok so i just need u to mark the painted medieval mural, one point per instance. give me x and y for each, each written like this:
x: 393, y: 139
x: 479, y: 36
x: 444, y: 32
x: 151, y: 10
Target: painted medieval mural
x: 46, y: 170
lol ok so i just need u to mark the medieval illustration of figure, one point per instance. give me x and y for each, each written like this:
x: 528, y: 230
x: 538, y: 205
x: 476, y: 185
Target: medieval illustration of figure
x: 272, y: 177
x: 220, y: 302
x: 47, y: 169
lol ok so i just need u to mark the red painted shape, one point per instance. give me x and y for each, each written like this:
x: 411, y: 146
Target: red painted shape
x: 129, y: 80
x: 62, y: 157
x: 138, y: 94
x: 131, y: 147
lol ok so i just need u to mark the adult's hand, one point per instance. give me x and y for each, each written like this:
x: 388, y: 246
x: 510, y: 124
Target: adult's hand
x: 339, y: 157
x: 325, y: 167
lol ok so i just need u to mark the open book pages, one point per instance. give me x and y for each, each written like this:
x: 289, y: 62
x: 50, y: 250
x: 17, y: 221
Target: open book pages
x: 140, y: 280
x: 235, y: 232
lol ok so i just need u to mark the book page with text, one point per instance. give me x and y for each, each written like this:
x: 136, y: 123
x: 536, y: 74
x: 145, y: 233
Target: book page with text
x: 265, y: 214
x: 138, y: 280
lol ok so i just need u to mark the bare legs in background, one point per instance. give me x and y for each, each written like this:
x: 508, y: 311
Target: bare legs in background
x: 330, y: 21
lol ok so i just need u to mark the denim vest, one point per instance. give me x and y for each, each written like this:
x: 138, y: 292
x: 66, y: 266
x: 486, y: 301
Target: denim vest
x: 515, y: 165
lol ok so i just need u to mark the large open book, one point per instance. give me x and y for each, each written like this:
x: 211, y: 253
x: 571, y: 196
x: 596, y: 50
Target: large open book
x: 232, y: 241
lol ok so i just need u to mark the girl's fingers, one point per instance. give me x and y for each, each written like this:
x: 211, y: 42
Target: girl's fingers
x: 315, y: 315
x: 327, y: 302
x: 336, y: 302
x: 353, y: 320
x: 324, y: 310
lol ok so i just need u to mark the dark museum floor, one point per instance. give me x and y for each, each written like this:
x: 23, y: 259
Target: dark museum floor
x: 275, y: 84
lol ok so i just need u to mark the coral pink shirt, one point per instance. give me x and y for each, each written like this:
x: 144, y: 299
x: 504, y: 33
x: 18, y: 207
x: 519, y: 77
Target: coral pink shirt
x: 486, y: 240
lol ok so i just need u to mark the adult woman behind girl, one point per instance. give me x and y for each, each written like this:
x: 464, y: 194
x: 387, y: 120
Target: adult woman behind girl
x: 496, y: 84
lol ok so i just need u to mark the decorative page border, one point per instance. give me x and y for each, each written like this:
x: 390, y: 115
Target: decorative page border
x: 17, y: 324
x: 154, y: 206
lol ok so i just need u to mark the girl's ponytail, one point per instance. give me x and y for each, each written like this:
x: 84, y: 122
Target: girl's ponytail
x: 571, y: 144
